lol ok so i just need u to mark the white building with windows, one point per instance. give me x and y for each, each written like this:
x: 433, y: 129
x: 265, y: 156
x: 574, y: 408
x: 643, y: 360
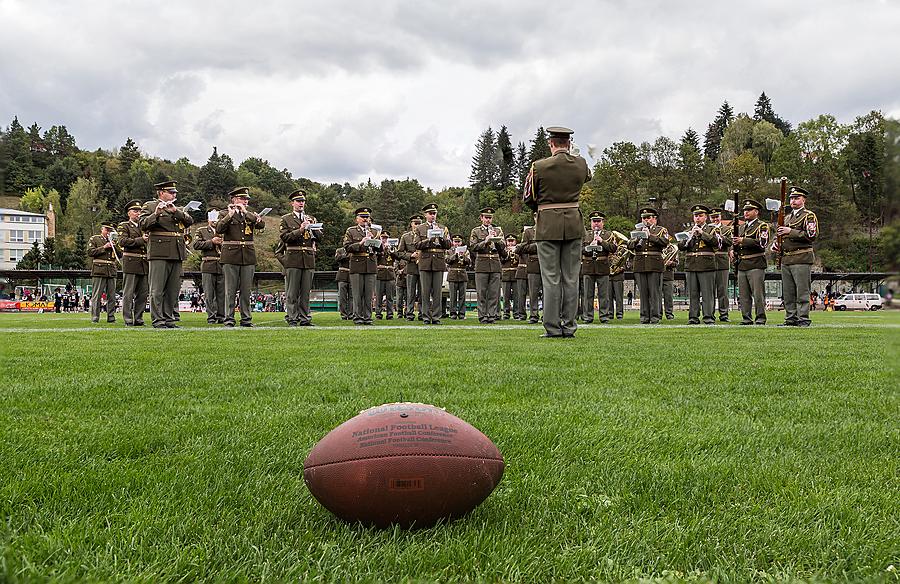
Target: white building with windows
x: 18, y: 232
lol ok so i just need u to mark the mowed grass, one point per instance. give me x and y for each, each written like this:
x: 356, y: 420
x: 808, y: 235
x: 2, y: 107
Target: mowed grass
x: 666, y: 453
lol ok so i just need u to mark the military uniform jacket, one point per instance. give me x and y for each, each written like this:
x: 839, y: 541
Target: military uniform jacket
x: 552, y: 188
x: 400, y: 270
x: 508, y: 266
x: 237, y: 230
x: 103, y: 262
x: 699, y: 252
x: 362, y: 258
x: 528, y: 248
x: 386, y: 264
x: 596, y: 263
x: 751, y: 253
x: 343, y: 260
x: 300, y: 243
x: 487, y: 254
x: 522, y: 267
x: 134, y: 248
x: 457, y: 265
x: 648, y: 252
x: 798, y: 244
x: 431, y: 251
x: 725, y: 242
x: 405, y: 250
x: 209, y: 262
x: 166, y: 231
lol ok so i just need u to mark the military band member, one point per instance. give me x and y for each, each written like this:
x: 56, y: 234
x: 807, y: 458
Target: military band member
x: 104, y: 254
x: 209, y: 244
x: 385, y: 278
x: 508, y: 267
x: 431, y: 263
x: 800, y: 230
x: 700, y: 267
x: 521, y: 292
x: 345, y: 301
x: 750, y: 243
x: 299, y: 259
x: 617, y: 289
x: 648, y: 265
x: 458, y: 262
x: 363, y: 265
x: 598, y: 244
x: 486, y: 241
x: 406, y: 250
x: 528, y: 248
x: 165, y: 225
x: 400, y: 285
x: 668, y: 285
x: 136, y: 287
x: 722, y: 263
x: 238, y: 258
x: 552, y: 188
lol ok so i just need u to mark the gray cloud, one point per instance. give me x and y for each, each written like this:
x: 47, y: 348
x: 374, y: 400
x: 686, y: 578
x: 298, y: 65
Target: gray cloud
x: 339, y: 90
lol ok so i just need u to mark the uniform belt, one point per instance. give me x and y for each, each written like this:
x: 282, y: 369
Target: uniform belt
x: 521, y: 266
x: 751, y: 256
x: 512, y: 269
x: 359, y: 255
x: 721, y: 253
x: 798, y: 251
x: 434, y: 249
x: 297, y: 247
x: 488, y: 255
x: 700, y: 253
x: 129, y: 254
x: 343, y: 269
x: 167, y: 233
x: 384, y: 267
x: 104, y: 262
x: 237, y: 243
x: 210, y: 258
x: 572, y: 205
x: 653, y: 253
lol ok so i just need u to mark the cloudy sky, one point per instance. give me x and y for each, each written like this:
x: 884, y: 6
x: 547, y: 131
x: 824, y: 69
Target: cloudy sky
x: 339, y: 91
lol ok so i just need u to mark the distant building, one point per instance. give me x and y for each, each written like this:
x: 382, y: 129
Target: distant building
x: 18, y: 232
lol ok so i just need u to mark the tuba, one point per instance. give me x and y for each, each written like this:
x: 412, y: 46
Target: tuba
x: 669, y: 253
x: 618, y: 260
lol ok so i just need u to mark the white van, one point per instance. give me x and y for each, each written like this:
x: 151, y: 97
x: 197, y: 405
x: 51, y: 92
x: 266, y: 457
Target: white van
x: 858, y: 302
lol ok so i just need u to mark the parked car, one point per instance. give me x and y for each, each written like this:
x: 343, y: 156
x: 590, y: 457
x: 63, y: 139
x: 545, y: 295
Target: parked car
x: 858, y: 302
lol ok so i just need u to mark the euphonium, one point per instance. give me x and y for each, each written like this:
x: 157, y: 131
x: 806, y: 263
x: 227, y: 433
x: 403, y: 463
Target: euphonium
x: 619, y: 258
x: 669, y: 253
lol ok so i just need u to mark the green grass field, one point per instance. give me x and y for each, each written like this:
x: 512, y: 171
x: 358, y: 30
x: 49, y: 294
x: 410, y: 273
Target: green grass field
x: 661, y: 453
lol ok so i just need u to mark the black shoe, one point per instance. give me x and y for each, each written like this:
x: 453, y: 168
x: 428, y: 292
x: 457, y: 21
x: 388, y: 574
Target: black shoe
x: 670, y: 317
x: 435, y: 322
x: 693, y: 322
x: 368, y: 323
x: 247, y: 324
x: 588, y: 321
x: 604, y: 321
x: 306, y: 324
x: 788, y: 324
x: 129, y: 324
x: 378, y: 316
x: 426, y: 321
x: 760, y: 323
x: 654, y: 322
x: 292, y: 324
x: 411, y: 318
x: 229, y: 324
x: 804, y: 324
x: 95, y: 321
x: 139, y: 323
x: 549, y: 336
x: 569, y: 336
x: 505, y: 317
x: 533, y: 321
x: 110, y: 320
x: 171, y: 326
x: 391, y: 317
x: 742, y: 323
x: 724, y: 319
x: 420, y: 317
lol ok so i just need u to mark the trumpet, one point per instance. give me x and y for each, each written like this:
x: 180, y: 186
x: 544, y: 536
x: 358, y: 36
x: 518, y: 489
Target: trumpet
x: 113, y: 238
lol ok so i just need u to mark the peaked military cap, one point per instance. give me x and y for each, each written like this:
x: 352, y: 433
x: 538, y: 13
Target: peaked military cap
x: 750, y: 204
x: 298, y: 195
x: 697, y: 209
x: 240, y: 192
x: 511, y: 237
x: 416, y: 217
x: 597, y: 215
x: 363, y: 212
x: 429, y: 208
x: 560, y: 132
x: 798, y: 192
x: 488, y: 211
x: 109, y: 224
x: 715, y: 211
x: 649, y: 212
x: 385, y: 233
x: 167, y: 185
x: 134, y: 204
x: 457, y: 236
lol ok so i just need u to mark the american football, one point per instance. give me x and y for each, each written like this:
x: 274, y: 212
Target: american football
x: 403, y: 464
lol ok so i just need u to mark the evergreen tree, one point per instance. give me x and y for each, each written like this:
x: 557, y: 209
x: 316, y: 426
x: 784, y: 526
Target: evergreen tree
x: 763, y: 111
x: 540, y: 148
x: 506, y: 160
x: 79, y: 254
x: 484, y: 165
x: 15, y: 160
x: 59, y: 142
x: 522, y: 166
x: 31, y: 260
x: 217, y: 176
x: 690, y: 165
x: 712, y: 141
x: 128, y: 154
x: 49, y: 254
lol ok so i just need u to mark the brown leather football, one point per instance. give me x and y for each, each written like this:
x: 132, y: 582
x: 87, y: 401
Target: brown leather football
x: 405, y: 464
